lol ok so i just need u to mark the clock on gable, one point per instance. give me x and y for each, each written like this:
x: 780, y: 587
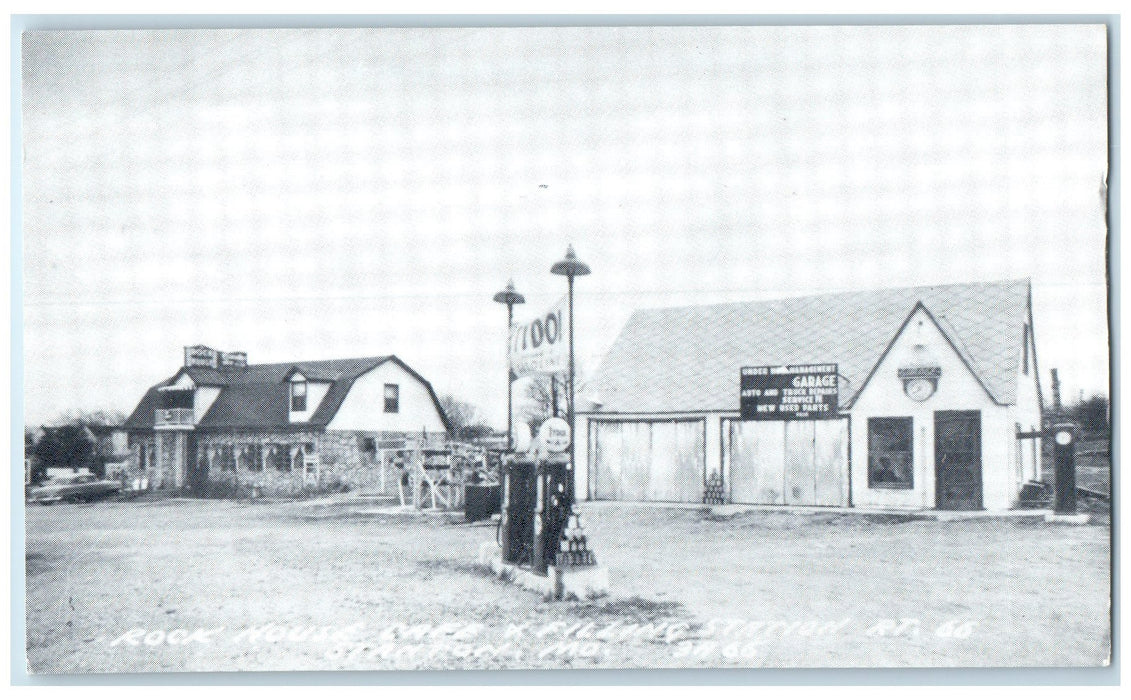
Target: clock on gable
x: 920, y: 383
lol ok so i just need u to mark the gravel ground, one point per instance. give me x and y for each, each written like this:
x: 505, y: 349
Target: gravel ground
x: 183, y: 585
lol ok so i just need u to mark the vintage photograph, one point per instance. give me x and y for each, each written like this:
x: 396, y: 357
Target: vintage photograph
x: 589, y: 347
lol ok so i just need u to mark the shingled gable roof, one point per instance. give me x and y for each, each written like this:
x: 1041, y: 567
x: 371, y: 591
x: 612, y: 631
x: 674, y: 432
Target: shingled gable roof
x: 256, y: 396
x: 688, y: 358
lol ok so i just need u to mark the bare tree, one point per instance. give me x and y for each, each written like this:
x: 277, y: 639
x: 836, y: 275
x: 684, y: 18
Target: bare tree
x: 99, y: 418
x: 464, y: 418
x: 1092, y: 414
x: 544, y: 393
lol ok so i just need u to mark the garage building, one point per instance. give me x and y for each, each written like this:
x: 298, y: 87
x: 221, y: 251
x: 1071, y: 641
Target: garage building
x: 932, y: 386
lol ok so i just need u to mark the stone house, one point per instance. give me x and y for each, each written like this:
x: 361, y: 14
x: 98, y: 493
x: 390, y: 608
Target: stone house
x: 220, y: 423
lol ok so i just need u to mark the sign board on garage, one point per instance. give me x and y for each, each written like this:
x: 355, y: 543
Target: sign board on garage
x: 789, y: 392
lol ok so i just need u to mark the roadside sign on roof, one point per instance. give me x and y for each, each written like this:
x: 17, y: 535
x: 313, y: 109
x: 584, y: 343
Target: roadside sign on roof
x: 540, y: 345
x: 200, y: 356
x: 232, y: 359
x: 789, y: 392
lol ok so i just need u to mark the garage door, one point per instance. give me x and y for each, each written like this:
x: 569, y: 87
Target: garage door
x: 648, y: 460
x: 787, y: 462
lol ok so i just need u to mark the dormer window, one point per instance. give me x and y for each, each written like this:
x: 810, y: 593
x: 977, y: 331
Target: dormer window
x: 298, y: 395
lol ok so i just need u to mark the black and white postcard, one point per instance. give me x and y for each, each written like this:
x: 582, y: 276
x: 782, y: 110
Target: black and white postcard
x: 590, y: 347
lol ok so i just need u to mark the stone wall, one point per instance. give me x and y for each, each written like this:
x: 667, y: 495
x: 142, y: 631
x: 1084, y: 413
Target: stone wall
x: 353, y: 459
x: 246, y: 463
x: 241, y: 464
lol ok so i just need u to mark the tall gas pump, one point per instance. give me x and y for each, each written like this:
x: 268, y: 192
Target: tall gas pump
x: 538, y: 526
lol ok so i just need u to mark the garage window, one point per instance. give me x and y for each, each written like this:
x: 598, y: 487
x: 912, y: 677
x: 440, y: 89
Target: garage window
x: 890, y: 453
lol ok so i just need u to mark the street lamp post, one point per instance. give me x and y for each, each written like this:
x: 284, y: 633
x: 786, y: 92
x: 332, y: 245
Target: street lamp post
x: 509, y: 297
x: 571, y: 267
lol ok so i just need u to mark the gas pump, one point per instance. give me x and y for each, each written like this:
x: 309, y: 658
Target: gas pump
x: 1064, y: 437
x: 1064, y: 459
x: 538, y: 526
x: 516, y: 523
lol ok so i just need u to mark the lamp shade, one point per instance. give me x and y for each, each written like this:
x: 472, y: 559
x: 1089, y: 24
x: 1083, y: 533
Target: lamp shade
x: 570, y: 266
x: 509, y: 296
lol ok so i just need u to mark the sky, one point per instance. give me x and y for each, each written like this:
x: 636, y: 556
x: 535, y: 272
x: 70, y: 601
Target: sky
x: 315, y: 194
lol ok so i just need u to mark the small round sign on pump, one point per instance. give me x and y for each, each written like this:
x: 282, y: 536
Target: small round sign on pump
x: 554, y: 435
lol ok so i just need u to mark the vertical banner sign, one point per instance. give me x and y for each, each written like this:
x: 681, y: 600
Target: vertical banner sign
x: 540, y: 345
x: 789, y: 392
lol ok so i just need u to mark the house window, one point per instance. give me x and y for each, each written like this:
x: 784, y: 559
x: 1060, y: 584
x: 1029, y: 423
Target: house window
x: 392, y: 398
x: 890, y: 457
x: 254, y: 458
x: 282, y: 457
x: 369, y: 445
x: 298, y: 396
x: 227, y: 458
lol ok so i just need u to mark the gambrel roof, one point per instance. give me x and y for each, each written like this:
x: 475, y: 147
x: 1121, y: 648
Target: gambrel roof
x: 257, y: 396
x: 688, y: 358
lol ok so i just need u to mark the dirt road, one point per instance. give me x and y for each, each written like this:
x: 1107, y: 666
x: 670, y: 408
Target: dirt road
x: 208, y: 585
